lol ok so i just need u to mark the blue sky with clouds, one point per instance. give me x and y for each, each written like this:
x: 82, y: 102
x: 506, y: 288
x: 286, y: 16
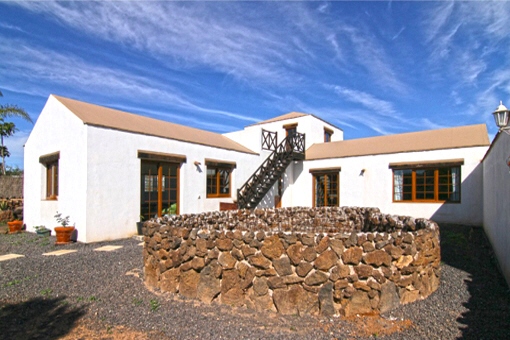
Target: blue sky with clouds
x: 370, y: 68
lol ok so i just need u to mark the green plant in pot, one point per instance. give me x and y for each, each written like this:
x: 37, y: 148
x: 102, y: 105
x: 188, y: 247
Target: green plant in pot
x: 42, y: 230
x: 139, y: 225
x: 171, y: 210
x: 64, y: 231
x: 15, y: 224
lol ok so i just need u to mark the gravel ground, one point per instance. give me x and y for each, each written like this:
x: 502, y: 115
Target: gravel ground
x: 90, y: 294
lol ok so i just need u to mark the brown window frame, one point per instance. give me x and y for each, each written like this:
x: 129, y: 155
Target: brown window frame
x: 219, y: 167
x: 290, y: 129
x: 50, y: 162
x: 328, y: 134
x: 416, y: 183
x: 325, y: 172
x: 157, y: 182
x: 52, y: 180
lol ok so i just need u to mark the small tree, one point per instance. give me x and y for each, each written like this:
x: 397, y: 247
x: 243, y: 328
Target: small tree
x: 7, y: 129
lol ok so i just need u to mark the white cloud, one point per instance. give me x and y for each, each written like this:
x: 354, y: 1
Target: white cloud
x: 11, y: 27
x: 468, y: 48
x: 331, y: 38
x: 180, y: 34
x: 470, y: 67
x: 398, y: 33
x: 240, y: 41
x: 443, y: 44
x: 437, y: 18
x: 377, y: 106
x: 176, y: 117
x: 40, y: 65
x: 369, y: 53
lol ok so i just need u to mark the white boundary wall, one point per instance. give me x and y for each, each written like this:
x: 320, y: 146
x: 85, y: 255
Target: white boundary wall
x: 496, y: 197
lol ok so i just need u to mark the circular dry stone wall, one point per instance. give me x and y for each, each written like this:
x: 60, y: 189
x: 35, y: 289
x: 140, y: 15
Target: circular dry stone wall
x: 322, y: 261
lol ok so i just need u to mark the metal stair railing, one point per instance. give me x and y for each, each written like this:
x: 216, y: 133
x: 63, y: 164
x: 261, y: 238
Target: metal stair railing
x: 256, y: 187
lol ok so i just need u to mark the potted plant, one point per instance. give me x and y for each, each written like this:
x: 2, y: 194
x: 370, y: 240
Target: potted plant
x: 15, y: 225
x: 139, y: 225
x: 171, y: 210
x: 42, y: 230
x: 4, y: 205
x: 64, y: 231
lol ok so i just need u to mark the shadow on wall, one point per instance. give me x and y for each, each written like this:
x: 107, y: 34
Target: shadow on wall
x: 471, y: 208
x: 488, y: 307
x: 39, y: 318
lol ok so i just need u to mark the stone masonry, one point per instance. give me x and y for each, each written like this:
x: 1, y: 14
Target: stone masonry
x: 320, y: 261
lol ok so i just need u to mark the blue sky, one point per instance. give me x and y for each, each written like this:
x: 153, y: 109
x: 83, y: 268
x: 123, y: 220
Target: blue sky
x: 370, y: 68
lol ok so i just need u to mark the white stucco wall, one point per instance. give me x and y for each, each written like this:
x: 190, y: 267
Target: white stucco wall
x: 496, y: 197
x: 99, y: 174
x: 251, y: 137
x: 312, y: 127
x: 374, y: 187
x: 56, y: 130
x: 113, y: 197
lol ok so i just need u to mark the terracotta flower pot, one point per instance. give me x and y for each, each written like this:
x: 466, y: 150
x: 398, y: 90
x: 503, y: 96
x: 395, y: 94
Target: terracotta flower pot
x: 63, y: 234
x: 15, y: 226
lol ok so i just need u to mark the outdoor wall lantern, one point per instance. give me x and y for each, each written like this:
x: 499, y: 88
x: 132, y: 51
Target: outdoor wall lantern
x: 501, y: 117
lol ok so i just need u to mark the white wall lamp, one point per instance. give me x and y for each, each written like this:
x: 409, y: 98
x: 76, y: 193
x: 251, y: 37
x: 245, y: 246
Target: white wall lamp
x: 501, y: 116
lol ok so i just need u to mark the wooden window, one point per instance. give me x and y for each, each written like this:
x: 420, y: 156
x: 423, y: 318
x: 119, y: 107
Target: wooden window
x: 52, y: 180
x: 219, y: 175
x: 50, y: 162
x: 327, y: 135
x: 159, y: 188
x: 326, y: 188
x: 218, y: 182
x: 160, y: 178
x: 430, y: 184
x: 290, y: 129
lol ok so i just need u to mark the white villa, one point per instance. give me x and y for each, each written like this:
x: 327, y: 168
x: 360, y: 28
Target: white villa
x: 106, y: 168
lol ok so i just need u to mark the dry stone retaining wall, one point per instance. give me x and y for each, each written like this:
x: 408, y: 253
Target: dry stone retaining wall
x: 14, y: 208
x: 299, y: 261
x: 11, y: 187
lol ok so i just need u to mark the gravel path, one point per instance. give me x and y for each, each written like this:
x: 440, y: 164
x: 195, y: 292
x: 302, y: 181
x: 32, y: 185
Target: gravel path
x: 91, y: 294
